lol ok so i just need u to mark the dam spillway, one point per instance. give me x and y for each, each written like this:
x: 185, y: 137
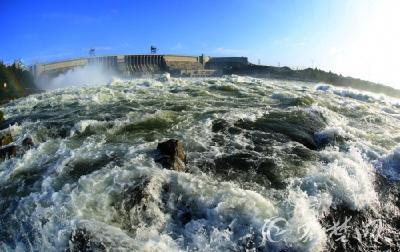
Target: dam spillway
x: 140, y: 64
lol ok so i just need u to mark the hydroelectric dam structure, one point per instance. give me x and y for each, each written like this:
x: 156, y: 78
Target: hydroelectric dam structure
x: 136, y: 65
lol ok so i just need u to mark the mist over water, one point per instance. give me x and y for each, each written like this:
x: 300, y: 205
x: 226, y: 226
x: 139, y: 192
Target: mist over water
x: 264, y: 156
x: 88, y: 75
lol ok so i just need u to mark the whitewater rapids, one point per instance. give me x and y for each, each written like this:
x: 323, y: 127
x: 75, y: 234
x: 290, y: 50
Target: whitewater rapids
x: 258, y: 150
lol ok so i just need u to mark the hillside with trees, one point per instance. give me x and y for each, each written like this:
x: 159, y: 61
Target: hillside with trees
x: 15, y: 82
x: 314, y: 75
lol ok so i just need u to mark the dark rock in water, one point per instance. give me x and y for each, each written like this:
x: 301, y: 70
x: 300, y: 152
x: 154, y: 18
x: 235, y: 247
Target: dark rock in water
x: 143, y: 198
x: 8, y: 151
x: 271, y: 171
x: 333, y: 139
x: 234, y: 130
x: 298, y: 125
x: 172, y: 155
x: 248, y: 167
x: 186, y: 217
x: 1, y: 116
x: 219, y: 125
x: 5, y: 123
x: 173, y: 148
x: 6, y: 139
x: 82, y: 240
x: 238, y: 161
x: 262, y: 169
x: 60, y: 129
x: 304, y: 153
x: 28, y: 142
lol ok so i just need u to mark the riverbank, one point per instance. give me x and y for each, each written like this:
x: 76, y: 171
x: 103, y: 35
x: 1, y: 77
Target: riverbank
x: 314, y: 75
x: 15, y: 82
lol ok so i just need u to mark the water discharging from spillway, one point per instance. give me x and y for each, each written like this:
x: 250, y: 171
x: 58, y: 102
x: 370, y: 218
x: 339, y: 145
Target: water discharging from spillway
x: 272, y: 165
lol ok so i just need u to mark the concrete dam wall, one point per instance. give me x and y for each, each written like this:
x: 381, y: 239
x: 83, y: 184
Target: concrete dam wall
x: 140, y: 64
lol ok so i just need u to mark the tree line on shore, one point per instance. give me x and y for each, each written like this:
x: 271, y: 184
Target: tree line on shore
x: 15, y: 82
x: 314, y: 75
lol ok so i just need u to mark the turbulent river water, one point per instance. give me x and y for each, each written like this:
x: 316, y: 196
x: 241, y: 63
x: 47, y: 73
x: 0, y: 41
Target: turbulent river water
x: 272, y: 165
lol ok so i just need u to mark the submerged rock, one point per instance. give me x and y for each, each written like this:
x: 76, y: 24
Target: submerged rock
x: 299, y: 125
x: 5, y: 150
x: 1, y: 116
x: 5, y: 123
x: 171, y: 155
x: 6, y: 139
x: 83, y: 240
x: 8, y: 151
x: 141, y: 204
x: 27, y: 142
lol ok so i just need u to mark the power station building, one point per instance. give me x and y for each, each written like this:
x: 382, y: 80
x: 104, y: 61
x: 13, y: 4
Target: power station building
x: 143, y: 64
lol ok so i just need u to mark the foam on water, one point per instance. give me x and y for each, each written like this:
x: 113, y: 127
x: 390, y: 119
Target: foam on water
x: 347, y: 177
x: 90, y: 179
x: 389, y: 164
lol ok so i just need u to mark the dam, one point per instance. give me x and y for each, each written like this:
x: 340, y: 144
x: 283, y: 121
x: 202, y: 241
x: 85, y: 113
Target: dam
x: 136, y: 65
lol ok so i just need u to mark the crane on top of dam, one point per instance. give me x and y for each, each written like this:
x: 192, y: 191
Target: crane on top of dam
x: 153, y: 49
x: 92, y: 52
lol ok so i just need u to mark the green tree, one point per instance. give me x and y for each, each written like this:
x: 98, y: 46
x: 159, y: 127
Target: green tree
x: 15, y: 82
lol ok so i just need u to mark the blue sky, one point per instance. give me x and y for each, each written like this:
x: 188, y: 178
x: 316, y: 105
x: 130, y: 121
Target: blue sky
x: 358, y: 38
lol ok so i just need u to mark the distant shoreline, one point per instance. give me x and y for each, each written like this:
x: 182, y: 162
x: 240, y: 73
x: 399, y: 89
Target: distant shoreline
x: 314, y: 75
